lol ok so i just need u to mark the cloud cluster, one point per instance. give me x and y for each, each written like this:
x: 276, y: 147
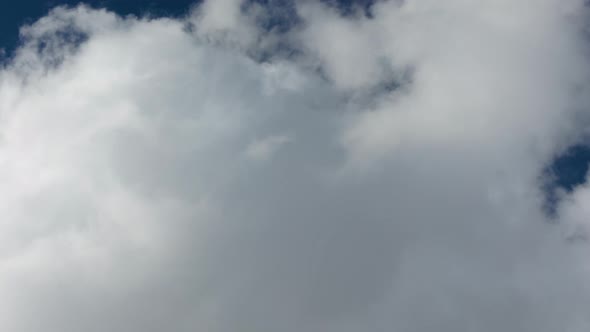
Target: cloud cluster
x: 374, y: 172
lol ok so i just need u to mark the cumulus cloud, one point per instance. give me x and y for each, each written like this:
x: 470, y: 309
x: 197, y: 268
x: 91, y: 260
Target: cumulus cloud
x: 396, y: 184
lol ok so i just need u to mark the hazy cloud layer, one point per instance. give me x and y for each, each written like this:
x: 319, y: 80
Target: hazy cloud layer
x: 377, y: 172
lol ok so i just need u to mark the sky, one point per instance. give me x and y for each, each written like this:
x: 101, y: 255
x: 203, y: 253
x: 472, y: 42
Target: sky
x: 16, y: 14
x: 234, y: 165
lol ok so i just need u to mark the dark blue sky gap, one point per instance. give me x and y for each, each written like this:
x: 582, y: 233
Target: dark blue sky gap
x: 565, y: 172
x: 14, y: 14
x: 571, y: 167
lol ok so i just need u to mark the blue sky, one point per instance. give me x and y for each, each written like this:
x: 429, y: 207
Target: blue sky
x: 25, y: 11
x: 18, y: 13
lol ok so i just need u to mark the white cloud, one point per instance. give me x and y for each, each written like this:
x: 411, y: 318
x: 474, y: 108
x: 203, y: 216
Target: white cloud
x: 222, y: 20
x: 127, y: 203
x: 263, y: 149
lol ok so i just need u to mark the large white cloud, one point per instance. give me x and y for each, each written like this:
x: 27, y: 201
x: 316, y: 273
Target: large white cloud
x: 156, y: 176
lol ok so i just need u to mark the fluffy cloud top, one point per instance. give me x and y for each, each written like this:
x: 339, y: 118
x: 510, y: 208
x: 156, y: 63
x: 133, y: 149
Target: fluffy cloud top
x: 376, y: 172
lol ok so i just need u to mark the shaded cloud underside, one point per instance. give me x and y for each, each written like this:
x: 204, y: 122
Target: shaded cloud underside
x: 373, y: 173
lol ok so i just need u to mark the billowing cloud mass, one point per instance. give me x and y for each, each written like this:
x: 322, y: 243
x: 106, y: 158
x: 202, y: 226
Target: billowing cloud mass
x: 358, y: 171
